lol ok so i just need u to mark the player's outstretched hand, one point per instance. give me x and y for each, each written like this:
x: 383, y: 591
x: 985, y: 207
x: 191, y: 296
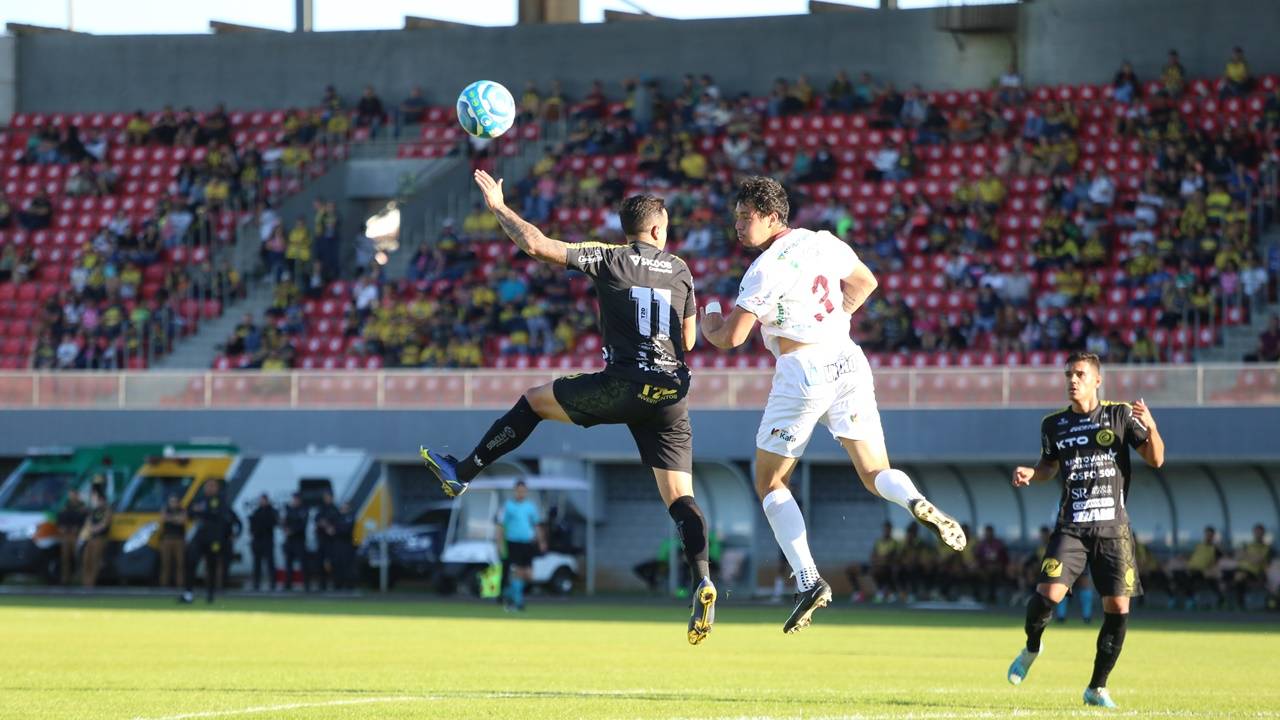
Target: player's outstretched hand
x: 1022, y: 476
x: 491, y: 189
x: 1142, y: 414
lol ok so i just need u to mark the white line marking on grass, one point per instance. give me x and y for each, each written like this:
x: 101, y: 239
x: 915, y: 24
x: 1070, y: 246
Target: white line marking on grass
x: 290, y: 706
x: 983, y: 714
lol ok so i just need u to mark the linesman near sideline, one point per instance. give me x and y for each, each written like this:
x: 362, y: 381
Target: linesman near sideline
x: 803, y: 289
x: 648, y: 320
x: 1087, y: 444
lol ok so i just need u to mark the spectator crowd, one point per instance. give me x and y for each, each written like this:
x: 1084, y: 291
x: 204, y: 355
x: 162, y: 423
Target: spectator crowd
x: 1120, y: 219
x: 909, y: 567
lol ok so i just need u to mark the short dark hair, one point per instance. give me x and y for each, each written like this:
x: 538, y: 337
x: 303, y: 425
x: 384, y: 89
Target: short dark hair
x: 521, y: 484
x: 766, y: 196
x: 638, y: 211
x: 1086, y: 357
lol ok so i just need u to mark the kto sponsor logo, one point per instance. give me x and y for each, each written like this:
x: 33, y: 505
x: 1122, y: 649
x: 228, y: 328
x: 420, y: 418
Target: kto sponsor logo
x: 1065, y: 443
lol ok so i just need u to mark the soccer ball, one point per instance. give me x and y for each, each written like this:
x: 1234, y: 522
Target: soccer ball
x: 486, y: 109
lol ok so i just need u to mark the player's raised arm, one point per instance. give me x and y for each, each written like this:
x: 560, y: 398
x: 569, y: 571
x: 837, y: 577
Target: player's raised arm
x: 727, y: 332
x: 1153, y: 449
x: 858, y: 286
x: 522, y: 233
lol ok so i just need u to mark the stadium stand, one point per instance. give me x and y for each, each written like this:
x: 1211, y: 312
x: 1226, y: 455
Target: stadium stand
x: 113, y: 226
x: 1008, y: 226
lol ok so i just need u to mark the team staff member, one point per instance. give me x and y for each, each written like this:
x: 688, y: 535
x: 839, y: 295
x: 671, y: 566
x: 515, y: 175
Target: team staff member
x: 327, y: 517
x: 295, y: 521
x: 70, y: 520
x: 1087, y: 443
x: 96, y: 526
x: 344, y: 549
x: 216, y: 525
x: 262, y: 527
x: 173, y: 540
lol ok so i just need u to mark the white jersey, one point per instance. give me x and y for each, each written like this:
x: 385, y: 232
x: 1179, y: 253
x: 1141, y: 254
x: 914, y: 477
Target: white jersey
x: 794, y: 289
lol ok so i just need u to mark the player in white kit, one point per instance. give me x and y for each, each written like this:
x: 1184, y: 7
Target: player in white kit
x: 803, y: 289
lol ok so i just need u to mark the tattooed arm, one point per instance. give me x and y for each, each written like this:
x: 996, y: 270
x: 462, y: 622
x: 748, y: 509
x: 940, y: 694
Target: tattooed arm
x: 529, y: 238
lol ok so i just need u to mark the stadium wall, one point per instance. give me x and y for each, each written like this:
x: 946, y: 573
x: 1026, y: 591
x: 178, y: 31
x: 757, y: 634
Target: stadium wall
x: 8, y: 77
x: 1057, y: 40
x: 1072, y: 41
x: 1243, y: 434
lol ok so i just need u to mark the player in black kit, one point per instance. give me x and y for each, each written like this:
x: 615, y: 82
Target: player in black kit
x: 1087, y: 443
x: 648, y: 319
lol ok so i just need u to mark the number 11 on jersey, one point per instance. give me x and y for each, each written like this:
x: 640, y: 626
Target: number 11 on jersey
x: 651, y: 302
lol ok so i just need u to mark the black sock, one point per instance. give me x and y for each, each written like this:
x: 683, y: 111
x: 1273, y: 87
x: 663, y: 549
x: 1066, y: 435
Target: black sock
x: 1110, y: 641
x: 692, y: 528
x: 1039, y: 610
x: 503, y: 436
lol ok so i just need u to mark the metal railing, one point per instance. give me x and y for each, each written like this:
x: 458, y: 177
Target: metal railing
x: 922, y: 388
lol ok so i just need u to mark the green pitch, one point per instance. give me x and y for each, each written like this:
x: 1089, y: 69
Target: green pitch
x: 299, y: 659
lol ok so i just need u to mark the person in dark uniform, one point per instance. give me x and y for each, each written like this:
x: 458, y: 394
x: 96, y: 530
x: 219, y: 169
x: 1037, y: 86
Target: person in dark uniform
x: 344, y: 550
x: 648, y: 320
x: 1088, y: 443
x: 173, y: 540
x: 295, y: 543
x: 216, y: 525
x: 327, y: 517
x: 262, y: 527
x: 97, y: 525
x: 70, y: 519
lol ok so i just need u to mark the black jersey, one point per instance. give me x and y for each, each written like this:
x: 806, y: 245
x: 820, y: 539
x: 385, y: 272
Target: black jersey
x: 1092, y: 452
x: 645, y: 294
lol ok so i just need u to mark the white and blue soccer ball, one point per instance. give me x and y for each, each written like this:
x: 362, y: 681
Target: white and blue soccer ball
x: 486, y: 109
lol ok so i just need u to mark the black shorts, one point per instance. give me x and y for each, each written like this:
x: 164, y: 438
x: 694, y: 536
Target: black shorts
x: 1107, y: 552
x: 520, y: 554
x: 657, y: 414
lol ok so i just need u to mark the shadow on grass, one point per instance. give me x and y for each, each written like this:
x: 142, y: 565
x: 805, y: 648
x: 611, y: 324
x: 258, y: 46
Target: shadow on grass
x: 612, y: 609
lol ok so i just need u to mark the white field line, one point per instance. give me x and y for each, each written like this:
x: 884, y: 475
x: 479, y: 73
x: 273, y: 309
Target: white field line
x: 290, y: 706
x: 988, y: 714
x: 656, y: 694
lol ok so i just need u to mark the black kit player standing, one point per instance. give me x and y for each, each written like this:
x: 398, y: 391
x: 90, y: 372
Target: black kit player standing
x: 1087, y: 443
x: 648, y: 319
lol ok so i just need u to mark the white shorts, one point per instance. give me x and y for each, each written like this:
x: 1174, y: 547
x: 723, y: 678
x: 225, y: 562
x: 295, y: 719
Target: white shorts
x: 819, y: 384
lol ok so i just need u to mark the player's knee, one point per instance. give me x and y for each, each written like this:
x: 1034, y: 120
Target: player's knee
x: 868, y: 475
x: 1052, y: 592
x: 540, y: 399
x: 766, y: 485
x: 1117, y: 605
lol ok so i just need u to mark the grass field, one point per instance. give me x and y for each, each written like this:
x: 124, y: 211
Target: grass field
x: 148, y: 658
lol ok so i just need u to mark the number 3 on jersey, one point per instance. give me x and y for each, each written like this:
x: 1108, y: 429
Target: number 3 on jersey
x: 825, y: 301
x: 650, y: 303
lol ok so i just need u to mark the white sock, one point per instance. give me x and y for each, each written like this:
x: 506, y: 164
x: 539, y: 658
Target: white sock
x: 896, y: 487
x: 788, y: 529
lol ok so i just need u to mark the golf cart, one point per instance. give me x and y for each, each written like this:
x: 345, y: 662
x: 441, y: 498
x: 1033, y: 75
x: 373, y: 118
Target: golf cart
x: 471, y: 540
